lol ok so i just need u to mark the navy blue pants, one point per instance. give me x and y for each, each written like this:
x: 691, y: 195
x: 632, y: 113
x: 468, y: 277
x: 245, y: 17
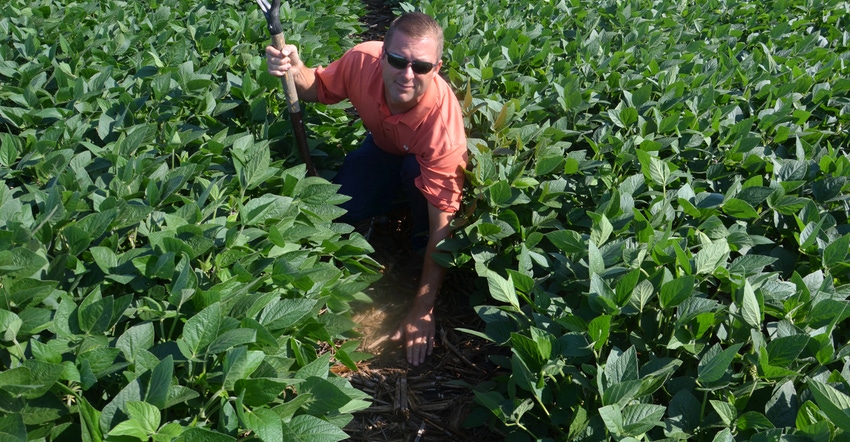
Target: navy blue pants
x: 379, y: 182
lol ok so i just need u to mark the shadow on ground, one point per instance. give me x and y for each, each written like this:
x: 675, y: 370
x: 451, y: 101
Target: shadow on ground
x: 430, y: 402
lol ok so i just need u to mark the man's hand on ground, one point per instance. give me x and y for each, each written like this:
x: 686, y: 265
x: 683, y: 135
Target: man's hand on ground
x: 416, y: 331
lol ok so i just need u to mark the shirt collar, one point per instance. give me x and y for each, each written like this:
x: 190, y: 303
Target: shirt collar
x: 416, y: 115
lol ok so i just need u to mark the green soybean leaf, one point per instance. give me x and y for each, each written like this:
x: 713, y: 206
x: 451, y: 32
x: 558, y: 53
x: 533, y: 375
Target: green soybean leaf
x: 500, y: 193
x: 17, y: 380
x: 621, y: 366
x: 595, y: 259
x: 621, y: 393
x: 755, y: 195
x: 266, y: 424
x: 654, y: 168
x: 288, y: 409
x: 788, y: 204
x: 11, y: 324
x: 640, y: 418
x: 45, y: 352
x: 809, y: 415
x: 90, y: 422
x: 684, y: 412
x: 282, y: 314
x: 326, y: 397
x: 612, y: 415
x: 602, y: 298
x: 12, y: 428
x: 159, y: 383
x: 239, y: 363
x: 568, y: 241
x: 752, y: 420
x: 711, y: 257
x: 502, y: 289
x: 526, y: 349
x: 262, y: 391
x: 308, y: 428
x: 78, y: 239
x: 200, y: 330
x: 20, y: 262
x: 601, y: 230
x: 784, y: 350
x: 115, y: 411
x: 525, y: 379
x: 317, y: 368
x: 96, y: 317
x: 712, y: 367
x: 727, y: 412
x: 10, y: 146
x: 828, y: 311
x: 783, y: 407
x: 626, y: 286
x: 751, y: 264
x: 810, y: 234
x: 750, y: 307
x: 643, y: 292
x: 739, y: 209
x: 836, y: 251
x: 623, y: 117
x: 545, y: 165
x: 135, y: 338
x: 144, y: 417
x: 198, y: 434
x: 179, y: 394
x: 725, y: 435
x: 232, y: 338
x: 599, y: 329
x: 834, y: 403
x: 676, y: 291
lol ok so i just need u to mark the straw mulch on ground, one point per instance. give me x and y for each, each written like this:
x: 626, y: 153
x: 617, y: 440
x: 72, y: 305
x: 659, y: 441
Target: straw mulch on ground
x: 429, y: 402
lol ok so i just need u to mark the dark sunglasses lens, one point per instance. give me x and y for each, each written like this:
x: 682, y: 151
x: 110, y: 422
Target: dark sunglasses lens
x: 396, y: 61
x: 421, y: 67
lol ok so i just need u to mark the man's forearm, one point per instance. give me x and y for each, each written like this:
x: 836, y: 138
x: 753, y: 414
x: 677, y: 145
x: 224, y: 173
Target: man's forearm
x: 432, y: 273
x: 305, y: 82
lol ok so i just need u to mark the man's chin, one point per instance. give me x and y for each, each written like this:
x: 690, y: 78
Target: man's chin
x: 405, y: 101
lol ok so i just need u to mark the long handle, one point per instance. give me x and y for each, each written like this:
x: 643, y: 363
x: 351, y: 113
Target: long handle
x: 295, y: 115
x: 271, y: 11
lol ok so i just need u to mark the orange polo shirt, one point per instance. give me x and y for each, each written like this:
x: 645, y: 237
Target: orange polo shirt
x: 433, y: 130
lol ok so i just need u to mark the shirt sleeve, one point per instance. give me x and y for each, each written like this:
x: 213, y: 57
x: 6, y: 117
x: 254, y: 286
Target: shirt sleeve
x: 335, y: 79
x: 441, y: 177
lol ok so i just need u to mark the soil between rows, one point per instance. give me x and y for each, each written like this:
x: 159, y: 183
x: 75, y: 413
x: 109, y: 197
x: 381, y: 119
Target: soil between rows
x: 432, y: 401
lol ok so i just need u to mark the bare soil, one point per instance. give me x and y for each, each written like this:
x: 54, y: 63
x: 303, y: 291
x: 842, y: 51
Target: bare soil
x: 429, y: 402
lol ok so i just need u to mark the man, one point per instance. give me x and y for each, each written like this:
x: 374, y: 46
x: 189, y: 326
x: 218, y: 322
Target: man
x: 416, y: 143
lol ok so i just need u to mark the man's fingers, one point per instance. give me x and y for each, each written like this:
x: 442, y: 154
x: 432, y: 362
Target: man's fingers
x: 418, y: 349
x: 273, y: 52
x: 423, y: 353
x: 279, y: 61
x: 409, y: 346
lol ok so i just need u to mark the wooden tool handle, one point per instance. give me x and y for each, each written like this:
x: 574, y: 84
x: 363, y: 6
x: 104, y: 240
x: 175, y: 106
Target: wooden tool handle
x: 288, y: 82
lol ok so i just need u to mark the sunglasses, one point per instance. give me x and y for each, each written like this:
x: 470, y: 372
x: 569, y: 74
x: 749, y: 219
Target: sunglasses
x: 399, y: 62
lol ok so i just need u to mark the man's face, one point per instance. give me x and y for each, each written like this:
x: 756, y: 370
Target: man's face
x: 404, y: 88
